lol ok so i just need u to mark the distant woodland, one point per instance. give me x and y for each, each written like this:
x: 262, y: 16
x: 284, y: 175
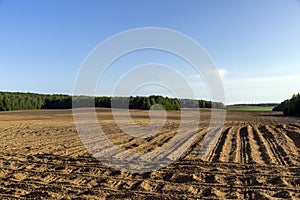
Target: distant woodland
x: 25, y: 101
x: 257, y: 104
x: 290, y: 107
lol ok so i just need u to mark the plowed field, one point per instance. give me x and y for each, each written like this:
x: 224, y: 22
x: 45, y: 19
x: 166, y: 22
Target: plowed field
x: 257, y: 156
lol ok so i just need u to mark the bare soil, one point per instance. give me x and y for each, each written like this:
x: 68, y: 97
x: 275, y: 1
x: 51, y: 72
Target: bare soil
x: 256, y: 157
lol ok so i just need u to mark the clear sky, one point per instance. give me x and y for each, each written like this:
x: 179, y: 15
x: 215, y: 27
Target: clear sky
x: 255, y: 44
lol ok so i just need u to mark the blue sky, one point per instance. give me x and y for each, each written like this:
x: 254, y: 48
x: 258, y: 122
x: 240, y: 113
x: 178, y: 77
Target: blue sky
x: 255, y: 44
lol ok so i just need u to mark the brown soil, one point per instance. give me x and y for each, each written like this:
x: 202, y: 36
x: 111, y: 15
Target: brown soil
x: 257, y: 156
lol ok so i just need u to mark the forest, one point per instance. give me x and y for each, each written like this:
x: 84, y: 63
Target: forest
x: 257, y: 104
x: 290, y: 107
x: 26, y: 101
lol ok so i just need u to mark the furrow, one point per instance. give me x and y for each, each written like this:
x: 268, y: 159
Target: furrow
x: 218, y: 145
x: 264, y: 149
x: 193, y: 150
x: 243, y: 145
x: 287, y: 146
x: 233, y: 153
x: 280, y: 142
x: 221, y: 152
x: 294, y: 135
x: 272, y: 145
x: 257, y: 148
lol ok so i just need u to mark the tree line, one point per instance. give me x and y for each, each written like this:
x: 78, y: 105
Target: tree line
x: 25, y: 101
x: 258, y: 104
x: 290, y: 107
x: 28, y: 101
